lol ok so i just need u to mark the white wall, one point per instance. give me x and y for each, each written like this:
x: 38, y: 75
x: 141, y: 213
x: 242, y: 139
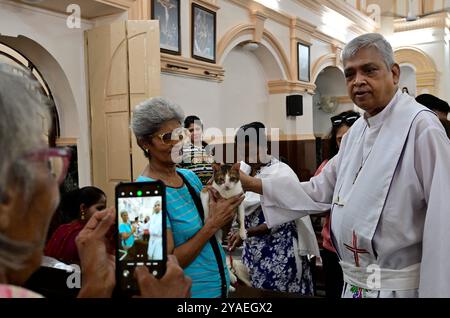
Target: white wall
x: 243, y: 96
x: 432, y: 42
x: 195, y: 96
x: 66, y: 46
x: 330, y: 82
x: 408, y: 79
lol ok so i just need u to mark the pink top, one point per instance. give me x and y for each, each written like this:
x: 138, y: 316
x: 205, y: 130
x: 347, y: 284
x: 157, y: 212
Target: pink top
x: 10, y: 291
x: 326, y: 226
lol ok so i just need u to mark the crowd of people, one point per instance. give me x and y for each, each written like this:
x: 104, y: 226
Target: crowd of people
x: 382, y: 190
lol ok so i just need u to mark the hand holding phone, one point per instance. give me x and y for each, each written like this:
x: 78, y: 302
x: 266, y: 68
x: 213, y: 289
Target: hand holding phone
x: 140, y: 204
x: 97, y: 265
x: 174, y: 284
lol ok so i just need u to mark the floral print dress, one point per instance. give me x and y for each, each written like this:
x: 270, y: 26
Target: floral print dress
x: 271, y: 261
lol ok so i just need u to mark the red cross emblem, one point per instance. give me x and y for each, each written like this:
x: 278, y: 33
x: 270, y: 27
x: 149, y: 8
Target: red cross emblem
x: 354, y: 248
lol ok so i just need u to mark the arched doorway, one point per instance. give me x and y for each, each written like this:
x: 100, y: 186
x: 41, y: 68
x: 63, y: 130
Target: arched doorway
x: 422, y: 64
x: 244, y: 92
x: 10, y: 56
x: 408, y: 79
x: 25, y: 52
x: 329, y: 100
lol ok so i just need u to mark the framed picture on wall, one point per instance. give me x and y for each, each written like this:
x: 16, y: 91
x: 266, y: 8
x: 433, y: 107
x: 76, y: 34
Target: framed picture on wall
x: 303, y: 58
x: 203, y: 37
x: 168, y: 14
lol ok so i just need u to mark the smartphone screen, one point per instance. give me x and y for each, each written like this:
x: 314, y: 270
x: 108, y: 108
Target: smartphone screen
x: 141, y: 231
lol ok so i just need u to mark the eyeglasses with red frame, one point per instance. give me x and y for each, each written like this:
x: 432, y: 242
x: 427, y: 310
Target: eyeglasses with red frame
x: 58, y: 160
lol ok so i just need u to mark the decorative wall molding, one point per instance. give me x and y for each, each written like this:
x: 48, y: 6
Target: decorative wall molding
x: 122, y: 4
x: 286, y: 19
x: 140, y: 10
x: 328, y: 39
x: 290, y: 87
x: 254, y: 6
x: 302, y: 31
x: 361, y: 23
x: 208, y: 4
x: 179, y: 65
x: 426, y: 72
x: 249, y: 29
x: 331, y: 59
x: 258, y: 19
x: 439, y: 21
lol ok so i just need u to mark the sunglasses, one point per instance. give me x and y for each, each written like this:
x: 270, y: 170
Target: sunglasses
x: 173, y: 137
x: 58, y: 160
x: 348, y: 119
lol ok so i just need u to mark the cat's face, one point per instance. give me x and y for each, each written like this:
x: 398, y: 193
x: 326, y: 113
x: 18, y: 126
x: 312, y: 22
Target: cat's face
x: 226, y: 176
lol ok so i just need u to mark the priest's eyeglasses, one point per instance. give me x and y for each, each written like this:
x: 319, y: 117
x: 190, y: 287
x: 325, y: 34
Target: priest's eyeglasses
x: 348, y: 119
x: 58, y: 160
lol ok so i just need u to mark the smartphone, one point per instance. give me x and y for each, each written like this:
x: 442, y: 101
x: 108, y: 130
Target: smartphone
x: 141, y: 232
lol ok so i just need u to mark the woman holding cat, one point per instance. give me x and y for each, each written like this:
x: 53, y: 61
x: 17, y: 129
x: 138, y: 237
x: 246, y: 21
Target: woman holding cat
x: 277, y: 258
x: 157, y: 126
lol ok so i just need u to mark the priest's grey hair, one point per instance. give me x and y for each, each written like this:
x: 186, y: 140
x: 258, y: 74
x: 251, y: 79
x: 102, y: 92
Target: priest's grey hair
x: 149, y: 115
x: 24, y: 114
x: 369, y: 40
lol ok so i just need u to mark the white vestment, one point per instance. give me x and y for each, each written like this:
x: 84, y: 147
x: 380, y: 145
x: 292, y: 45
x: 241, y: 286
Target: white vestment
x: 155, y: 244
x: 387, y: 190
x: 306, y: 243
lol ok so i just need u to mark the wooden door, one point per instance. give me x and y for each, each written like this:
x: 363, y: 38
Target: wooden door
x: 123, y: 69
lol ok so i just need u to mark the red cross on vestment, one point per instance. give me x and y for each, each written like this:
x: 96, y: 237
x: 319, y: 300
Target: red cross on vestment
x: 354, y: 248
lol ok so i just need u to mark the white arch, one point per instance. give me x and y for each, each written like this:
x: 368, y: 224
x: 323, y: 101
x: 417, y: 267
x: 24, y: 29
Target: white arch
x: 243, y: 33
x: 54, y: 76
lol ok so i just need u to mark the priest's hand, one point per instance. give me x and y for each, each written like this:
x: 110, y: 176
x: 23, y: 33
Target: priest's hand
x: 251, y: 183
x: 174, y: 284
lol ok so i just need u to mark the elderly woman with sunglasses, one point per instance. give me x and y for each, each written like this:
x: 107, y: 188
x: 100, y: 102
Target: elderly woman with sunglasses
x: 157, y: 126
x: 29, y: 176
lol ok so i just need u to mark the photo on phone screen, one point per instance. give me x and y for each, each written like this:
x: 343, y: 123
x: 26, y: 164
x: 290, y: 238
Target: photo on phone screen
x: 141, y: 228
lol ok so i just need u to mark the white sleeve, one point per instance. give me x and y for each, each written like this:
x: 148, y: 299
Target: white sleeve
x: 432, y: 163
x: 285, y: 198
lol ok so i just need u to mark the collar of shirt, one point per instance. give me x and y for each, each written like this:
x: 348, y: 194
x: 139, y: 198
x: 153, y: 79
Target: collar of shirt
x: 377, y: 120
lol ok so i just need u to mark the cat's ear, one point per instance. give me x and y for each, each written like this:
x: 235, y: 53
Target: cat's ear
x: 216, y: 166
x: 236, y: 166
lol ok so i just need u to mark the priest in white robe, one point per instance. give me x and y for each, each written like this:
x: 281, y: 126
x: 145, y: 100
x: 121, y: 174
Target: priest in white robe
x: 387, y: 187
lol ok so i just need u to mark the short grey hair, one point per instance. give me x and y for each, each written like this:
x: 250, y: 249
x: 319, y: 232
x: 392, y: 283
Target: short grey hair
x: 370, y: 40
x: 149, y: 115
x: 23, y: 112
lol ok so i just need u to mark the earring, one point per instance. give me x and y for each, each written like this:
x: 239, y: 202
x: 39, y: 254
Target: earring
x: 83, y: 215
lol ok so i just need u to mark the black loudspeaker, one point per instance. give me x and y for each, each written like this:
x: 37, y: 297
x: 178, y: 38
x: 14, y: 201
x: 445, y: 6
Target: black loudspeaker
x: 294, y: 105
